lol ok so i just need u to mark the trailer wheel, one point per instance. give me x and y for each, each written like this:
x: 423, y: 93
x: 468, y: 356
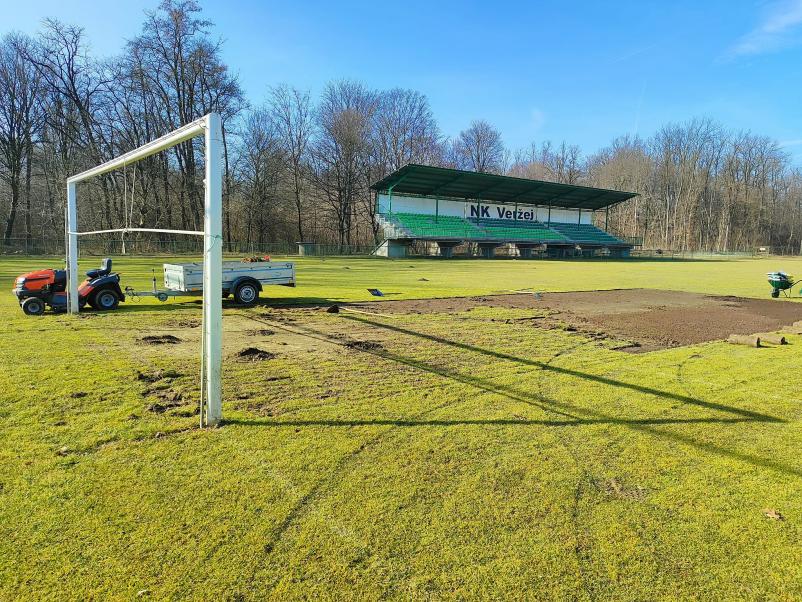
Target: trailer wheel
x: 106, y: 300
x: 33, y: 306
x: 246, y: 293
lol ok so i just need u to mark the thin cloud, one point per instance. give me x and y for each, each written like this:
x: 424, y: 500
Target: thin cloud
x: 632, y: 53
x: 796, y: 142
x: 778, y: 29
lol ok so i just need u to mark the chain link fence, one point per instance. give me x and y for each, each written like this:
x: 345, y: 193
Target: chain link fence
x: 97, y: 246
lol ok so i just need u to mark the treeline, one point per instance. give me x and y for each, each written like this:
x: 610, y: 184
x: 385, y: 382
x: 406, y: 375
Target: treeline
x: 298, y: 168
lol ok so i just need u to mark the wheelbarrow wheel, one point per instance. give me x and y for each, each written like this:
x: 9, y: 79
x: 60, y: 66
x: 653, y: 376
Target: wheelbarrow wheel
x: 775, y: 293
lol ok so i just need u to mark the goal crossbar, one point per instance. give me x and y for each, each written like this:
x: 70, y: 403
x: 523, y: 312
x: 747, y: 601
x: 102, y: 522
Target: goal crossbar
x: 210, y: 127
x: 182, y: 134
x: 124, y: 230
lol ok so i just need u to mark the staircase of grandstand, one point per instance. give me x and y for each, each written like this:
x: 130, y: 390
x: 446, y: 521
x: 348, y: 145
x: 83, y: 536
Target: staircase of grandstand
x: 415, y: 225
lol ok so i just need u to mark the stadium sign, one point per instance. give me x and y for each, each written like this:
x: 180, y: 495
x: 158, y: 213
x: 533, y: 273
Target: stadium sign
x: 502, y: 212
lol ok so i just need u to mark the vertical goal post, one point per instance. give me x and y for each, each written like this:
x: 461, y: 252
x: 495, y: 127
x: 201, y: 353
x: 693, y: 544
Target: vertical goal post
x: 211, y: 345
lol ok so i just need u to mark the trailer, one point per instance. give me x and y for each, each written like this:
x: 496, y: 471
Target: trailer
x: 243, y: 280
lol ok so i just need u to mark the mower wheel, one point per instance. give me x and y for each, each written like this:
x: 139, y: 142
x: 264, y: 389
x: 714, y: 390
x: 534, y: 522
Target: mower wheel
x: 246, y: 293
x: 106, y: 300
x: 33, y: 306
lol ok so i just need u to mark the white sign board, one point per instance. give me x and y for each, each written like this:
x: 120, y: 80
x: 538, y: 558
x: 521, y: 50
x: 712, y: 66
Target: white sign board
x: 475, y: 210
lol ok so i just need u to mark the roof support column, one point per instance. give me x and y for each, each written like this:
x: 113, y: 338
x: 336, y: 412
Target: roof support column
x: 579, y: 216
x: 606, y: 216
x: 549, y: 217
x: 436, y: 208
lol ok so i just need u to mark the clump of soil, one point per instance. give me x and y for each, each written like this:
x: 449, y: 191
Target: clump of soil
x: 188, y: 323
x: 166, y: 399
x: 78, y: 394
x: 260, y: 332
x: 334, y: 309
x: 156, y: 375
x: 254, y: 354
x: 160, y: 339
x: 364, y: 345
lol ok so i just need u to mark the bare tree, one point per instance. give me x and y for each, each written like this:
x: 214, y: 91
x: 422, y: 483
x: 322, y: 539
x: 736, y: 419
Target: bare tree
x: 21, y: 118
x: 291, y: 112
x: 182, y: 68
x: 260, y: 164
x: 479, y: 148
x: 405, y: 130
x: 342, y: 151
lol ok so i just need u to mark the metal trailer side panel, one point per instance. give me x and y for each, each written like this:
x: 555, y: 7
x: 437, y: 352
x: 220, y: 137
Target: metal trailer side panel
x: 188, y: 277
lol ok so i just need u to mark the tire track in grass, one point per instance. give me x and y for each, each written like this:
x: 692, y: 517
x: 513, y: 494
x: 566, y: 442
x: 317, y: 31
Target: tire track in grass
x: 318, y: 491
x: 581, y: 556
x: 589, y: 482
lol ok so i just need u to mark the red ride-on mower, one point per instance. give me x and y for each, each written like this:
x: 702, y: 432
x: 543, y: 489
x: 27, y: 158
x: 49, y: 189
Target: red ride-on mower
x: 35, y: 290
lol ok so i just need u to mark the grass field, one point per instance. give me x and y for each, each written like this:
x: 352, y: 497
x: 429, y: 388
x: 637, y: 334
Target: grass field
x: 463, y: 455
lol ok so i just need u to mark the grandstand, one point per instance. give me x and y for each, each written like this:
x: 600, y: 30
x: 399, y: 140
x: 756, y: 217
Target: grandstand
x: 451, y: 207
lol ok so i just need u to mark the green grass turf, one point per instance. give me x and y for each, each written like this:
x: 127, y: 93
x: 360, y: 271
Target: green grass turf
x: 468, y: 457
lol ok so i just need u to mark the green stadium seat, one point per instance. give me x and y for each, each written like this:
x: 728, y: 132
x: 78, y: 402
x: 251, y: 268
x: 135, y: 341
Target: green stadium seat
x: 503, y: 229
x: 585, y: 233
x: 418, y: 225
x: 428, y: 226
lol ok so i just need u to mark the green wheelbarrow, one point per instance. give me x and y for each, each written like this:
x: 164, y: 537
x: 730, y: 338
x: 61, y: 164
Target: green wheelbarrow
x: 781, y: 283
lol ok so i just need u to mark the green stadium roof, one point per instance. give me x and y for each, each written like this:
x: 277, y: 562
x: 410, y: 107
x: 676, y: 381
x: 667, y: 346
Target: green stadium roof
x: 440, y: 182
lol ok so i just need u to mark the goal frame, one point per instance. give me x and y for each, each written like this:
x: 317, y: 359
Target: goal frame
x: 210, y: 127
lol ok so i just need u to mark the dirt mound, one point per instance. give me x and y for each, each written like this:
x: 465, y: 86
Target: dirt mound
x: 254, y: 354
x: 160, y: 339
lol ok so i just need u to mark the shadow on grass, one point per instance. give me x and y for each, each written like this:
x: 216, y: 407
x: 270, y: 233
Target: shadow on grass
x: 469, y: 422
x: 575, y: 415
x: 189, y: 303
x: 710, y: 405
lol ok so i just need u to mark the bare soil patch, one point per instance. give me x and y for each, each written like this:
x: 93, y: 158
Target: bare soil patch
x: 364, y: 345
x: 160, y: 339
x: 190, y: 323
x: 260, y: 332
x: 164, y: 400
x: 649, y: 319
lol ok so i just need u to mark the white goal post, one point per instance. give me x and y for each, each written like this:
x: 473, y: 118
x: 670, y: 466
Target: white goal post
x: 211, y: 344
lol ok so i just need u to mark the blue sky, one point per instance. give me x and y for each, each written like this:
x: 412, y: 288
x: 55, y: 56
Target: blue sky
x: 584, y: 72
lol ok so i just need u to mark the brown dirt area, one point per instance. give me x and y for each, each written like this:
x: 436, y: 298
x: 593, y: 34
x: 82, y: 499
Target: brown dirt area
x: 654, y: 319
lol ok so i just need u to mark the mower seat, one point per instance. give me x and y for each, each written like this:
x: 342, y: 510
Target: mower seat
x: 105, y: 269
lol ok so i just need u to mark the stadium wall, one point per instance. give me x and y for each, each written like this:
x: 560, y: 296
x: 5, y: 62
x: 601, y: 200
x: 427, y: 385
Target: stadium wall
x: 427, y: 206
